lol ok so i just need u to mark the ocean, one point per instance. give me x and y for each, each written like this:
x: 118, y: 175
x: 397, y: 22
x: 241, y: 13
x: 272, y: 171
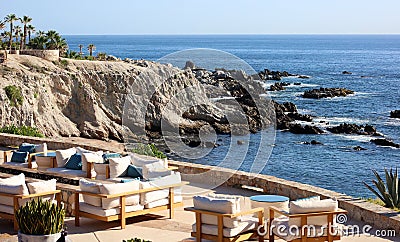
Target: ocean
x: 374, y: 61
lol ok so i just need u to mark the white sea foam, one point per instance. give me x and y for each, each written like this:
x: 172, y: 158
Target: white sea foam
x: 360, y: 138
x: 338, y: 120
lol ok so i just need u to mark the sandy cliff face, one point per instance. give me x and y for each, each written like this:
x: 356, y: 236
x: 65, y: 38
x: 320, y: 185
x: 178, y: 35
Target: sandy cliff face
x: 87, y: 98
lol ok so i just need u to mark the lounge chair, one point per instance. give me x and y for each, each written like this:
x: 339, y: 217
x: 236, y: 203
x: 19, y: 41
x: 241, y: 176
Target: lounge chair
x: 308, y: 220
x: 23, y: 156
x: 14, y: 192
x: 118, y: 201
x: 221, y: 218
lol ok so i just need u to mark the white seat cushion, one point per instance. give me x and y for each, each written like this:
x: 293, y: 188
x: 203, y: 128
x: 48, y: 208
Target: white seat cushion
x: 248, y: 224
x: 282, y: 228
x: 312, y: 206
x: 106, y: 212
x: 149, y: 197
x: 65, y: 171
x: 117, y: 188
x: 62, y: 156
x: 6, y: 209
x: 119, y: 166
x: 92, y: 187
x: 219, y: 205
x: 12, y: 185
x: 162, y: 202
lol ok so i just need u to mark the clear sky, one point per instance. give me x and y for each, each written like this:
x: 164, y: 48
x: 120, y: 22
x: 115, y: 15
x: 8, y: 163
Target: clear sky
x: 210, y: 16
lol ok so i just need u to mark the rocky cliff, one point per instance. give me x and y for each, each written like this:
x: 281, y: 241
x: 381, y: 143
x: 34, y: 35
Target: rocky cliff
x: 94, y: 99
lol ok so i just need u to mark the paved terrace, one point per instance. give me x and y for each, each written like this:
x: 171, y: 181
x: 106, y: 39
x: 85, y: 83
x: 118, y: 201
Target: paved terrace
x: 157, y: 227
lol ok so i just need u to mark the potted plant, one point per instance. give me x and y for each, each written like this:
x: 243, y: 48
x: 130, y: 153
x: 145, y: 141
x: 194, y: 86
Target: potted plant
x: 40, y: 220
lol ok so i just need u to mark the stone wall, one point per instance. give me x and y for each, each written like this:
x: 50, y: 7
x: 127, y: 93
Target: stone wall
x: 54, y: 143
x: 50, y: 55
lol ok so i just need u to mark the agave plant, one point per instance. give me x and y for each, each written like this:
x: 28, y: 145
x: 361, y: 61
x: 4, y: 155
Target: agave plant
x: 387, y: 192
x: 38, y: 217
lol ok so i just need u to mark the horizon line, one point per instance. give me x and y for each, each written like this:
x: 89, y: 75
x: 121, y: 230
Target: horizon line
x: 164, y: 34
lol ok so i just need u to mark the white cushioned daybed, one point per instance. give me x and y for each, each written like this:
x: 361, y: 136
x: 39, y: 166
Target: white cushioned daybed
x: 24, y: 155
x: 224, y: 218
x: 118, y: 201
x: 14, y: 192
x: 312, y: 213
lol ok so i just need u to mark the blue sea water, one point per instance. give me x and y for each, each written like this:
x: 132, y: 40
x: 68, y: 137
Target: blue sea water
x: 374, y: 61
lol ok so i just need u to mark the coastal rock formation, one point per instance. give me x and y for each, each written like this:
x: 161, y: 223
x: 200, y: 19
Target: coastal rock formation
x: 278, y: 86
x: 286, y: 114
x: 385, y: 142
x: 395, y: 114
x: 327, y: 92
x: 89, y: 98
x: 346, y: 128
x: 306, y: 129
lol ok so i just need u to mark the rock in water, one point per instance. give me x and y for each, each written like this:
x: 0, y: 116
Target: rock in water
x: 385, y: 142
x: 307, y: 129
x: 346, y: 73
x: 353, y: 129
x: 395, y: 114
x: 327, y: 92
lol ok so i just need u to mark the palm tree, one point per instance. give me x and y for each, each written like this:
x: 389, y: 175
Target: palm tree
x: 31, y: 29
x: 41, y: 33
x: 24, y: 20
x: 91, y: 48
x: 80, y: 49
x: 39, y: 42
x: 17, y: 32
x: 10, y: 19
x: 2, y: 36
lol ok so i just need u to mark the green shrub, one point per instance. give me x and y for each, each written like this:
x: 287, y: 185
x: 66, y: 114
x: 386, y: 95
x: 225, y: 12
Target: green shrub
x: 38, y: 217
x: 22, y: 130
x: 14, y: 94
x: 149, y: 150
x: 136, y: 240
x: 64, y: 63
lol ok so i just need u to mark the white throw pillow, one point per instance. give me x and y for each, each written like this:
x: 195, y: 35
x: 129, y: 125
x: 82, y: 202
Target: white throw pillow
x: 100, y: 170
x: 91, y: 157
x: 43, y: 186
x: 13, y: 180
x: 155, y: 170
x: 119, y: 166
x: 92, y: 187
x: 312, y: 206
x: 146, y: 198
x: 41, y: 148
x: 62, y: 156
x: 219, y: 205
x: 141, y: 160
x: 117, y: 188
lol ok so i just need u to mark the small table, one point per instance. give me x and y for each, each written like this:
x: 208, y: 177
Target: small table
x: 45, y: 161
x: 266, y: 201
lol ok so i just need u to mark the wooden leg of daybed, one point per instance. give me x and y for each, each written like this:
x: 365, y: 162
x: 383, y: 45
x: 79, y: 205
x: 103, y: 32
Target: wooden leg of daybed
x: 77, y: 209
x: 171, y: 203
x: 123, y: 220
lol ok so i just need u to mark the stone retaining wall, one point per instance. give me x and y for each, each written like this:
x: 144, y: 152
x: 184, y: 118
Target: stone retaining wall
x: 50, y: 55
x: 54, y: 143
x: 374, y: 215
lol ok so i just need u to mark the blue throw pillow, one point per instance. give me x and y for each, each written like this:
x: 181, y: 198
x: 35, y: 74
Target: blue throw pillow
x: 108, y: 156
x: 75, y: 162
x: 130, y: 180
x: 26, y: 147
x: 20, y: 157
x: 135, y: 172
